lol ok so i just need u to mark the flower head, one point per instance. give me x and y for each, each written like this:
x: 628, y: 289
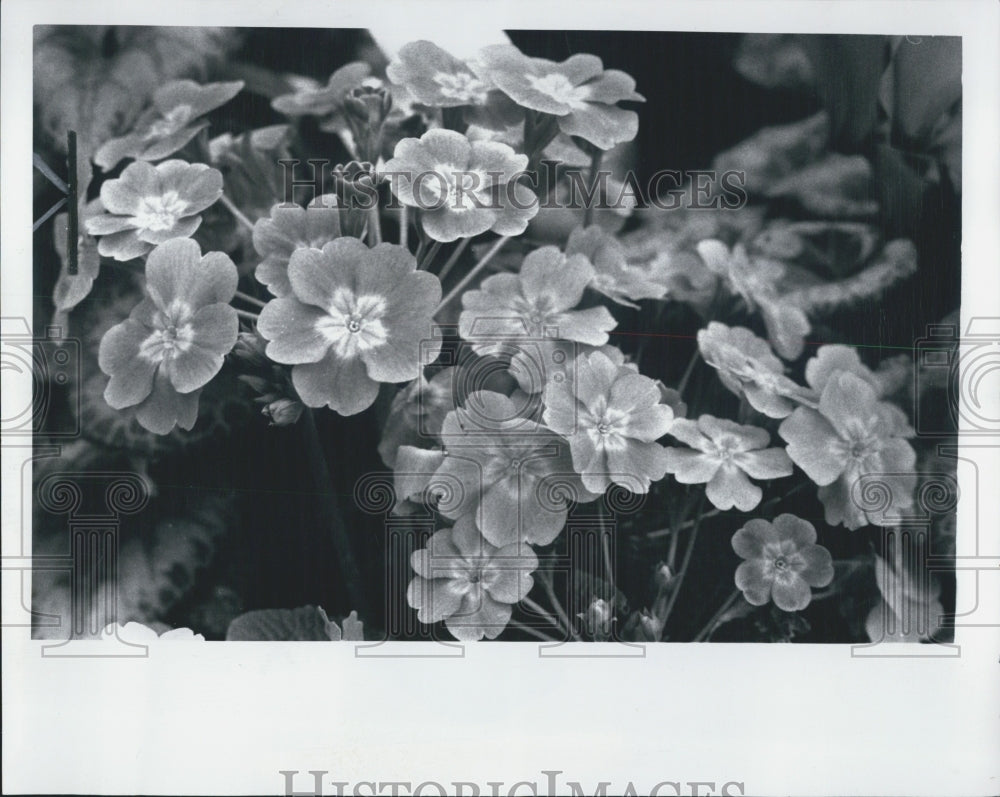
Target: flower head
x: 355, y: 317
x: 463, y: 187
x: 437, y: 79
x: 852, y: 434
x: 535, y: 304
x: 725, y: 456
x: 469, y: 583
x: 782, y: 562
x: 172, y: 121
x: 614, y: 276
x: 579, y: 91
x: 175, y: 340
x: 747, y: 366
x: 511, y: 474
x: 149, y: 205
x: 310, y: 99
x: 612, y: 417
x: 290, y: 228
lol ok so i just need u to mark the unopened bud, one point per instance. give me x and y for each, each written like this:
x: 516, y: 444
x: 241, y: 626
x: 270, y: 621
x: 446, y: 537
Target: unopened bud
x: 597, y: 619
x: 663, y: 576
x: 284, y: 411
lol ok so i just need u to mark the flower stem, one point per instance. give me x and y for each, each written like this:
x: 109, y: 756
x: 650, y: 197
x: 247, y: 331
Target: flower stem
x: 546, y: 580
x: 429, y: 256
x: 246, y: 314
x: 684, y: 564
x: 453, y: 259
x: 472, y: 274
x: 706, y: 632
x: 531, y: 631
x: 246, y: 297
x: 604, y: 543
x: 686, y: 376
x: 595, y: 167
x: 237, y: 213
x: 404, y: 226
x: 535, y: 607
x: 374, y: 227
x: 330, y: 515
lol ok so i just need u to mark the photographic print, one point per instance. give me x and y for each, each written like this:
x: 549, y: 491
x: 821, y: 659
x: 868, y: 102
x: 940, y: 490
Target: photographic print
x: 527, y: 343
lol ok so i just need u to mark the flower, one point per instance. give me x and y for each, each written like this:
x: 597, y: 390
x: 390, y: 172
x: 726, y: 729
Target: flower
x: 463, y: 187
x: 725, y: 455
x: 782, y: 562
x: 748, y: 367
x: 598, y: 619
x: 534, y: 304
x: 171, y: 122
x: 436, y: 78
x: 510, y: 473
x: 355, y: 317
x: 535, y: 366
x: 614, y: 276
x: 174, y: 341
x: 468, y: 583
x: 149, y: 205
x: 850, y: 435
x: 756, y: 283
x: 309, y: 98
x: 289, y: 228
x: 612, y: 417
x: 579, y: 91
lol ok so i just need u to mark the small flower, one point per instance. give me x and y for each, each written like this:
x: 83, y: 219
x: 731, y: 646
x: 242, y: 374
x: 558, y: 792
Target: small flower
x: 756, y: 283
x: 614, y: 276
x: 579, y: 91
x: 463, y: 187
x: 437, y: 79
x: 782, y: 562
x: 469, y: 583
x: 290, y: 228
x: 313, y: 100
x: 511, y: 474
x: 747, y: 366
x: 172, y: 121
x: 535, y: 304
x: 149, y: 205
x: 598, y: 619
x: 725, y: 455
x: 612, y: 417
x: 355, y: 317
x: 173, y: 342
x: 852, y: 434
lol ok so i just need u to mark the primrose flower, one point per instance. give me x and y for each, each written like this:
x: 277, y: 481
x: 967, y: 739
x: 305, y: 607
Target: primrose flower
x: 535, y: 304
x: 850, y: 435
x: 463, y: 187
x: 782, y: 562
x: 173, y: 342
x: 537, y: 364
x: 514, y: 476
x: 149, y: 205
x: 755, y: 282
x: 747, y: 366
x: 469, y: 583
x: 309, y: 98
x: 355, y: 317
x: 579, y: 91
x: 171, y: 122
x: 614, y: 275
x: 437, y: 79
x: 612, y: 417
x: 290, y: 228
x: 725, y: 456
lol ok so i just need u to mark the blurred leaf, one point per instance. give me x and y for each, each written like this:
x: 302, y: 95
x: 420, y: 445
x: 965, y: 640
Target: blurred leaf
x: 774, y: 61
x: 927, y: 83
x: 305, y: 624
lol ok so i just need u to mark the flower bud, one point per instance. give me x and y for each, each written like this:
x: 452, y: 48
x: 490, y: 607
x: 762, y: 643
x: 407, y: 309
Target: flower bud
x: 651, y: 626
x: 663, y: 576
x: 355, y: 186
x: 283, y: 411
x: 366, y: 108
x: 597, y: 619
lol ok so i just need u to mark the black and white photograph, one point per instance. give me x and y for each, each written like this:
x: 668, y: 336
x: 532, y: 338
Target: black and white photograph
x: 406, y: 335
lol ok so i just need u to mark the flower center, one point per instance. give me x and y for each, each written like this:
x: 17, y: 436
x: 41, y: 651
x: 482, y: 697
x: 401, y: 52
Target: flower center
x: 171, y: 338
x: 353, y: 324
x: 157, y: 213
x: 557, y: 86
x: 457, y: 190
x: 462, y: 86
x: 603, y: 428
x: 168, y: 124
x: 781, y: 563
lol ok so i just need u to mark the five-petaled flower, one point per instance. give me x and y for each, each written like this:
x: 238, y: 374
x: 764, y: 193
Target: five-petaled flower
x: 355, y: 317
x: 437, y: 79
x: 614, y: 276
x: 612, y: 417
x: 514, y: 476
x: 782, y: 563
x: 578, y: 91
x: 462, y: 187
x: 172, y: 121
x: 747, y: 366
x: 175, y: 340
x: 850, y: 436
x: 289, y: 228
x: 535, y: 304
x: 725, y: 454
x: 148, y: 205
x: 469, y: 583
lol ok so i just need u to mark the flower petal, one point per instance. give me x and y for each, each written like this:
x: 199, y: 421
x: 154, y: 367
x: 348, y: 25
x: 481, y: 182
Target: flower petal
x: 176, y: 271
x: 791, y: 594
x: 165, y: 408
x: 771, y: 463
x: 291, y: 328
x: 341, y: 384
x: 691, y: 467
x: 131, y: 374
x: 730, y: 487
x: 752, y: 581
x: 813, y: 445
x: 604, y: 126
